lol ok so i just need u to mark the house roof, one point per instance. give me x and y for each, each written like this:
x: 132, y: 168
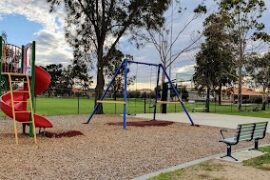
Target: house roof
x: 245, y: 91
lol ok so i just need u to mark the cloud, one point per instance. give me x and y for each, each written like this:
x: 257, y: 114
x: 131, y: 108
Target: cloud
x: 51, y: 44
x: 185, y: 69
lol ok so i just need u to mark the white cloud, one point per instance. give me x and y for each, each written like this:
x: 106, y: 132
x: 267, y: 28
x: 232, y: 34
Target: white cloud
x: 51, y: 44
x: 185, y: 69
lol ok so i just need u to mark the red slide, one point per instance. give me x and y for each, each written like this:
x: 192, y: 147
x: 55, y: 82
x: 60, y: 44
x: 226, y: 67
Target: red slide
x: 42, y: 83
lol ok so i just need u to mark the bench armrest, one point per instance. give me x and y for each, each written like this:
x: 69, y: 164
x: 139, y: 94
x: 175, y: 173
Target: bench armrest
x: 222, y: 134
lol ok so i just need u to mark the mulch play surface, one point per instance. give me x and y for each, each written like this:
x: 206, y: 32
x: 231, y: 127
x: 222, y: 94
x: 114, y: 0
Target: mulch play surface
x: 104, y: 151
x: 143, y: 123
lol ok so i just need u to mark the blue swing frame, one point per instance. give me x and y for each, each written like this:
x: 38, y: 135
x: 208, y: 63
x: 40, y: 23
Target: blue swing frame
x: 124, y: 68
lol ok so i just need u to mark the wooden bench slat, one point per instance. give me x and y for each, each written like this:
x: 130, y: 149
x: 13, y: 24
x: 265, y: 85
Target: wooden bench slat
x: 247, y: 137
x: 246, y: 134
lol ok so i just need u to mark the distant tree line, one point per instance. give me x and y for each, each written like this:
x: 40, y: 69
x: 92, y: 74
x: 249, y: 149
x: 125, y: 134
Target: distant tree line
x: 224, y: 58
x: 67, y: 80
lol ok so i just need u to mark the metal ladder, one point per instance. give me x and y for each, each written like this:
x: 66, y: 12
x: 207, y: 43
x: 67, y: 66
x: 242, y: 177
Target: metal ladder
x: 21, y: 78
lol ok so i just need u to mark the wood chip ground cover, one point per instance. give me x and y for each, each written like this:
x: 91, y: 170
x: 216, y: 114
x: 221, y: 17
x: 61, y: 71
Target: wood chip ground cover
x: 104, y: 151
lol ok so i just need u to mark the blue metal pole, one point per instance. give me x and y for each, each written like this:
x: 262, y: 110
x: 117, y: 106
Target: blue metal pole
x: 125, y: 93
x: 106, y: 91
x: 178, y: 96
x: 155, y: 107
x: 143, y: 63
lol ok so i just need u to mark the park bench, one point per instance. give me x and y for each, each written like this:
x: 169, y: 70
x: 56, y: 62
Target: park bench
x: 245, y: 132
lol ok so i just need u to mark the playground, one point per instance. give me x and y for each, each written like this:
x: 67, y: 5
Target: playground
x: 105, y: 151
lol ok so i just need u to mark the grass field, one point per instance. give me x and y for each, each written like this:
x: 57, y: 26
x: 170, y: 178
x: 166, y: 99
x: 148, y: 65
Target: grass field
x: 65, y: 106
x: 62, y: 106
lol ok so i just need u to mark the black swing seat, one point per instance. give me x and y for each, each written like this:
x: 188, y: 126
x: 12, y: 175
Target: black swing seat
x: 245, y: 132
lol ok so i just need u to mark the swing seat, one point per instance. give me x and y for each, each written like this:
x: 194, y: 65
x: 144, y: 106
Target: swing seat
x: 168, y: 102
x: 111, y: 102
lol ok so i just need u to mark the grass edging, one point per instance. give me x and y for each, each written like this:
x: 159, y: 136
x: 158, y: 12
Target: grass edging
x: 188, y: 164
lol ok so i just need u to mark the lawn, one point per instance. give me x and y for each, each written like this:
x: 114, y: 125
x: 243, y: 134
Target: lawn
x: 215, y: 169
x: 62, y: 106
x: 261, y: 162
x: 65, y: 106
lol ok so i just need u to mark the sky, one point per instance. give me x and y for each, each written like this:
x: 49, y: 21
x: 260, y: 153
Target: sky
x: 29, y: 20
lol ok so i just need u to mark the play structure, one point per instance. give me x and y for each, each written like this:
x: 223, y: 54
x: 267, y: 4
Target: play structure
x: 123, y: 69
x: 21, y: 80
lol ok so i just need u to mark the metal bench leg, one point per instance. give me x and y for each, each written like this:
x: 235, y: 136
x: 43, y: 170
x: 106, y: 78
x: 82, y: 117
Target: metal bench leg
x: 256, y: 145
x: 229, y: 153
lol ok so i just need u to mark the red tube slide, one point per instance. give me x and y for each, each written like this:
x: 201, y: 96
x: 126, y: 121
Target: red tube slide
x: 42, y: 83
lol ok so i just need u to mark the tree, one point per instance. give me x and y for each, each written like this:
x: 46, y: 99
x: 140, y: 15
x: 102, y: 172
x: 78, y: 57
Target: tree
x: 167, y: 45
x: 4, y: 36
x: 79, y: 74
x: 164, y: 42
x: 214, y: 62
x: 243, y: 27
x: 259, y: 69
x: 115, y: 61
x: 65, y: 82
x: 97, y: 26
x: 55, y: 70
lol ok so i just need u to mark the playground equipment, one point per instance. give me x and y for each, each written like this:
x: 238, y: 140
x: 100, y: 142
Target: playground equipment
x: 124, y: 68
x: 20, y: 81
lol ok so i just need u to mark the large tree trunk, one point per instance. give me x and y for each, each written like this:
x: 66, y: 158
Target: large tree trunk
x: 264, y: 99
x: 240, y: 90
x: 100, y: 79
x: 219, y: 94
x: 207, y: 102
x: 164, y: 94
x: 99, y: 87
x: 241, y: 55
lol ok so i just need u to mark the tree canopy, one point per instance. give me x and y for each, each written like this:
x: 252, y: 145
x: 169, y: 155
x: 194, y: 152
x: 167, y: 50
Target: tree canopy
x: 97, y: 26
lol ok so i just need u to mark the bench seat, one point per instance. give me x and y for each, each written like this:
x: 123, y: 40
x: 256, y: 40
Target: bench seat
x: 231, y: 140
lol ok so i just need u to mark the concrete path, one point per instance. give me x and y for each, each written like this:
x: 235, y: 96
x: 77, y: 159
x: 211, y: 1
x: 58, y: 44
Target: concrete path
x: 208, y: 119
x: 242, y: 156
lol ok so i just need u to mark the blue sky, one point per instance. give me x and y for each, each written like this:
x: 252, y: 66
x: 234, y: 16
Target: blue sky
x: 20, y: 31
x: 28, y: 20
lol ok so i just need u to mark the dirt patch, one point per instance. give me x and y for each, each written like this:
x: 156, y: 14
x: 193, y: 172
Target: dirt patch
x: 143, y: 123
x: 63, y: 134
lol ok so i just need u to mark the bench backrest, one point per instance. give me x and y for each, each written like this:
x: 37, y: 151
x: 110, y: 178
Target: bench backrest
x: 260, y: 130
x: 245, y: 132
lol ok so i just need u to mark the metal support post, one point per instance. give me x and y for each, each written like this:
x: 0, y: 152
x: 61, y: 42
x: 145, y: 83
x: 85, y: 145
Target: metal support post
x: 105, y: 93
x: 178, y: 96
x: 125, y: 94
x: 1, y: 59
x: 33, y: 78
x: 155, y: 105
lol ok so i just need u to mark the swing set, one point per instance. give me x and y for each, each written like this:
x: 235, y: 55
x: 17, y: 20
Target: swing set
x: 123, y: 68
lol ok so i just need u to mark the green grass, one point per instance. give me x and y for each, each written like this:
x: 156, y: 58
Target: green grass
x: 206, y: 167
x: 261, y: 162
x: 170, y: 175
x: 65, y: 106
